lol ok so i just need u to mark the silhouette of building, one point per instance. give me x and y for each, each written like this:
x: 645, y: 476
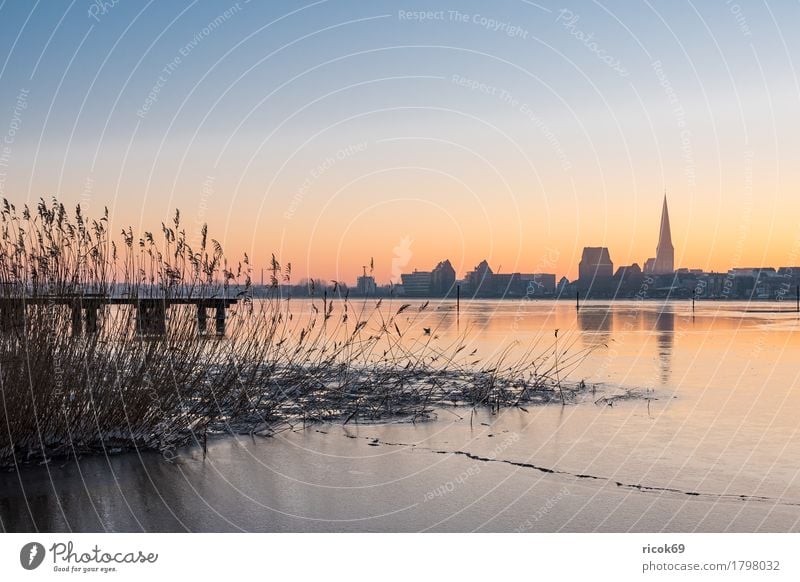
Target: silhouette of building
x: 787, y: 282
x: 664, y: 261
x: 629, y: 272
x: 482, y: 282
x: 436, y: 283
x: 417, y: 284
x: 479, y: 281
x: 365, y: 285
x: 595, y: 268
x: 538, y: 284
x: 628, y: 281
x: 443, y: 278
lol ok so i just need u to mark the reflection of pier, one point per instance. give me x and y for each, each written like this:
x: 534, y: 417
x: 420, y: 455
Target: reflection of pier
x: 151, y: 313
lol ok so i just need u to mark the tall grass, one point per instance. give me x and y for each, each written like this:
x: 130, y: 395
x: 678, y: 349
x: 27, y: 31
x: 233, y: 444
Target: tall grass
x: 330, y: 358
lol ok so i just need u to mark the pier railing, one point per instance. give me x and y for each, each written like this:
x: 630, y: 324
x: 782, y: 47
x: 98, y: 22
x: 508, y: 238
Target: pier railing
x: 151, y: 312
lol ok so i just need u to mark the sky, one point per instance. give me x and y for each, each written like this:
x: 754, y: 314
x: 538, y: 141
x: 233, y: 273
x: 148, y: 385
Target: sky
x: 336, y: 133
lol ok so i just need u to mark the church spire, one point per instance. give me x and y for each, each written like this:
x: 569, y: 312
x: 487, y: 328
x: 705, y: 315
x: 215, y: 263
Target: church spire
x: 664, y: 261
x: 665, y: 252
x: 665, y: 235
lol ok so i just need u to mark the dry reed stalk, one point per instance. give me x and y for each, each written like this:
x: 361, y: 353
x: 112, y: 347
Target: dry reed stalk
x: 66, y: 395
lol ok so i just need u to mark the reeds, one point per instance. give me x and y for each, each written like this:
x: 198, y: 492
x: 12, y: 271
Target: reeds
x: 280, y: 361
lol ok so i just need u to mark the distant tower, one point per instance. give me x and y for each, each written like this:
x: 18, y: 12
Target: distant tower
x: 665, y: 252
x: 595, y: 264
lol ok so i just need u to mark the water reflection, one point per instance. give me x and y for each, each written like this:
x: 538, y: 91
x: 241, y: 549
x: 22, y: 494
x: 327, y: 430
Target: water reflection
x: 597, y: 323
x: 665, y: 338
x: 601, y: 325
x: 737, y: 372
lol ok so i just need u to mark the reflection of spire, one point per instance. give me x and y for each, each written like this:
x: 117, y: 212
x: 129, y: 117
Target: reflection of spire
x: 665, y: 252
x: 665, y: 337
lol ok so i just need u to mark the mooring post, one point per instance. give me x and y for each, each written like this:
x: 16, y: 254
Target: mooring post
x: 91, y: 317
x: 5, y: 316
x: 160, y: 317
x: 458, y: 300
x: 694, y: 292
x: 77, y: 322
x: 202, y: 319
x: 220, y: 318
x: 151, y: 317
x: 19, y: 315
x: 577, y: 300
x: 797, y: 298
x: 141, y: 317
x: 10, y: 314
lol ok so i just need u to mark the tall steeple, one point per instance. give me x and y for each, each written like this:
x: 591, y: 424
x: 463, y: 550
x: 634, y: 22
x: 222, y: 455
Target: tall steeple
x: 665, y: 252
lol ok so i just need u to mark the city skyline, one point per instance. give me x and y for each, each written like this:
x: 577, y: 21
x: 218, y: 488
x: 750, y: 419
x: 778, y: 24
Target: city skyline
x: 595, y: 264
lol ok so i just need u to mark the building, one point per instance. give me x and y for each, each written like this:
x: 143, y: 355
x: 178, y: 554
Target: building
x: 443, y: 279
x: 500, y: 285
x: 365, y: 285
x: 539, y: 284
x: 664, y: 261
x: 437, y: 283
x: 629, y: 272
x: 479, y: 281
x: 595, y: 266
x: 417, y: 284
x: 787, y: 282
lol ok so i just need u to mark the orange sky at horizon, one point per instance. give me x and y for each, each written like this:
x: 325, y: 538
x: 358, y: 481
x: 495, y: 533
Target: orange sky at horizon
x: 518, y: 217
x: 406, y: 233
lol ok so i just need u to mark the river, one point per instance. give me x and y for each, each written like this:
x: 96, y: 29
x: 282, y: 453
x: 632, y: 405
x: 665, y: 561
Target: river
x: 714, y: 445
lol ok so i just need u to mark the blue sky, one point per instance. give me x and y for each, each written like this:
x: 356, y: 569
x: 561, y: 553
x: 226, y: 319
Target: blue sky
x: 502, y: 131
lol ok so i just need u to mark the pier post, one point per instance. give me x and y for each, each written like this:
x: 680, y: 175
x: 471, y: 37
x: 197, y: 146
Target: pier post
x: 151, y: 317
x: 13, y: 314
x: 220, y: 318
x: 77, y: 321
x: 202, y: 319
x: 577, y: 300
x: 91, y: 317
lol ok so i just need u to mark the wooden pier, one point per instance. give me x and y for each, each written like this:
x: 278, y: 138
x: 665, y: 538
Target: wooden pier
x: 151, y: 312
